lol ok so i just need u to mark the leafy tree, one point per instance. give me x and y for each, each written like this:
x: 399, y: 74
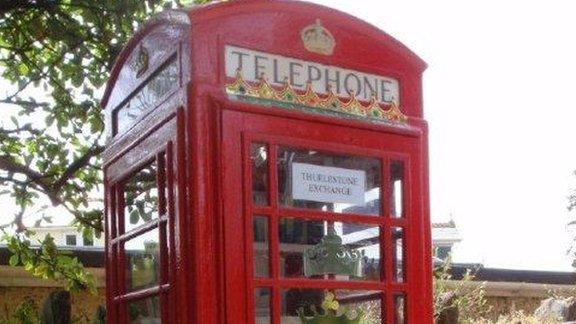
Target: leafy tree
x: 55, y: 57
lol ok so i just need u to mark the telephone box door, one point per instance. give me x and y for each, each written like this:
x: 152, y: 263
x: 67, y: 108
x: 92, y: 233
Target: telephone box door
x: 319, y: 221
x: 141, y: 202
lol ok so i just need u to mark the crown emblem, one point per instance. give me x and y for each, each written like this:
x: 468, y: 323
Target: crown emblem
x: 318, y: 39
x: 331, y: 257
x: 333, y: 313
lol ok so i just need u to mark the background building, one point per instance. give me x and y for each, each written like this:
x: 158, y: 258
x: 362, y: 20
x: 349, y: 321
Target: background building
x: 444, y: 237
x: 66, y: 236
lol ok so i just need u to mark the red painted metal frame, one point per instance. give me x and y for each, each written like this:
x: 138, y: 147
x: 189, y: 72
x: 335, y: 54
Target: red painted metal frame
x: 207, y: 179
x: 122, y: 168
x: 122, y: 297
x: 246, y: 129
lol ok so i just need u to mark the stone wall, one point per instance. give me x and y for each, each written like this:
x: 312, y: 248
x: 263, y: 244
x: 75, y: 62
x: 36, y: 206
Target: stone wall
x: 506, y: 297
x: 505, y: 305
x: 16, y: 285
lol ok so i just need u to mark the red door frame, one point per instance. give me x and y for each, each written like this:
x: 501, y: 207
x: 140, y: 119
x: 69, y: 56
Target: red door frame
x: 159, y: 145
x: 243, y: 128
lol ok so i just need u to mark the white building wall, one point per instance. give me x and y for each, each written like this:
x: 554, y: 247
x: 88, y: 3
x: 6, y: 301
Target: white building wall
x: 59, y: 234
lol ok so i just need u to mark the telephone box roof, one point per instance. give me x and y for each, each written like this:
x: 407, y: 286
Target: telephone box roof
x: 252, y: 19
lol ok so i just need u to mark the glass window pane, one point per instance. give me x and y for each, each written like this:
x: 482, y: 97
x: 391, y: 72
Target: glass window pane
x: 400, y: 309
x: 328, y: 182
x: 262, y: 298
x: 140, y: 198
x: 259, y: 160
x: 143, y: 261
x: 396, y: 188
x: 155, y: 88
x: 261, y: 247
x: 321, y: 249
x: 71, y: 240
x: 88, y: 240
x: 442, y: 252
x: 398, y: 254
x: 300, y: 305
x: 145, y: 311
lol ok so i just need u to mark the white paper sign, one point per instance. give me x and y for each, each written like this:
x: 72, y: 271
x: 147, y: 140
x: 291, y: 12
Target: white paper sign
x: 299, y: 73
x: 328, y: 184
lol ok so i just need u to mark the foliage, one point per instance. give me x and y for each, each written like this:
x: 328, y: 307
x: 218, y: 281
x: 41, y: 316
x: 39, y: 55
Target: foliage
x: 562, y: 294
x: 469, y: 297
x: 471, y: 302
x: 28, y: 312
x: 48, y: 263
x: 55, y: 57
x: 25, y: 313
x: 516, y: 317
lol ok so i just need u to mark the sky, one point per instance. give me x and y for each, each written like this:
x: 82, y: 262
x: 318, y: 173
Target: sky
x: 499, y: 97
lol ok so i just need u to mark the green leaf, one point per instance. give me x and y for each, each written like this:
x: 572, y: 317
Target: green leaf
x: 77, y: 79
x: 134, y: 216
x: 29, y: 266
x: 14, y: 260
x: 23, y: 69
x: 62, y: 56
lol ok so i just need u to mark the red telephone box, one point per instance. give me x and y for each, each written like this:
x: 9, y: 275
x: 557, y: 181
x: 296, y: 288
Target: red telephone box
x: 266, y: 163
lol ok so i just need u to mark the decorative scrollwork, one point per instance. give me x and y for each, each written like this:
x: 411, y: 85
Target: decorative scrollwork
x: 289, y: 96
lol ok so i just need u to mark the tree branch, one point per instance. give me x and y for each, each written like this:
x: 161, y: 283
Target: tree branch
x: 15, y: 181
x: 24, y: 103
x: 7, y: 163
x: 77, y: 165
x: 26, y: 128
x: 7, y: 6
x: 19, y: 222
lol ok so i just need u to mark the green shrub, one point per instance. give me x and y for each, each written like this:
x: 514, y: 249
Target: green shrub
x: 469, y: 299
x: 25, y: 313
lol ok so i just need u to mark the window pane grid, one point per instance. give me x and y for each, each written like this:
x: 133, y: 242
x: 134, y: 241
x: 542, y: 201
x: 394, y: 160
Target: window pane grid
x: 398, y: 249
x: 261, y: 246
x: 144, y: 310
x: 142, y: 292
x: 140, y: 230
x: 351, y: 303
x: 275, y: 215
x: 143, y: 257
x: 326, y: 284
x: 121, y: 257
x: 331, y: 216
x: 260, y: 174
x: 397, y: 188
x: 139, y: 294
x: 142, y: 202
x: 262, y: 303
x: 399, y: 308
